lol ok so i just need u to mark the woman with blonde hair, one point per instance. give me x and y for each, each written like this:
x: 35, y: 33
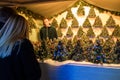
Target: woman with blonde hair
x: 17, y: 58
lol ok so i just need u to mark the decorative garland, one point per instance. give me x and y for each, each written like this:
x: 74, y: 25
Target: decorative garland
x: 28, y: 13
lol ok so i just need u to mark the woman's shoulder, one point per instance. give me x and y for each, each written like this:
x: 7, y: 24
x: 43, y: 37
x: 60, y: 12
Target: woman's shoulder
x: 26, y: 42
x: 22, y: 42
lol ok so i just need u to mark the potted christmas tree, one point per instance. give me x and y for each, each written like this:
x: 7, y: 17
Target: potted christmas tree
x: 69, y: 32
x: 98, y: 22
x: 74, y: 23
x: 63, y: 23
x: 108, y: 45
x: 80, y: 32
x: 55, y: 23
x: 90, y: 33
x: 69, y: 14
x: 80, y: 11
x: 108, y: 49
x: 84, y: 41
x: 91, y: 13
x: 104, y: 33
x: 116, y: 32
x: 65, y: 40
x: 75, y: 39
x: 110, y: 22
x: 59, y: 33
x: 86, y: 23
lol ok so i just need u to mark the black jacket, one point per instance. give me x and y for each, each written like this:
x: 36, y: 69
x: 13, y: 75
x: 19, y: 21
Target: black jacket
x: 21, y: 66
x: 49, y: 32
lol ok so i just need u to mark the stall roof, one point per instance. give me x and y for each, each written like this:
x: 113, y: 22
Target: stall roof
x: 42, y: 7
x: 113, y: 5
x: 52, y: 7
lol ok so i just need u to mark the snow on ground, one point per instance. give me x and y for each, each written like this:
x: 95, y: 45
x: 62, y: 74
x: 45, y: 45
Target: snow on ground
x: 56, y: 63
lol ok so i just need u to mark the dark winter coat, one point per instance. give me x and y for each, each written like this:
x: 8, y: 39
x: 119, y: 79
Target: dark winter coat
x: 49, y: 32
x: 21, y: 66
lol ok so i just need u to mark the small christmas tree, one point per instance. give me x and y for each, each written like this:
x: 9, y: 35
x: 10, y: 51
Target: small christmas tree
x: 98, y: 22
x: 84, y: 41
x: 86, y: 23
x: 69, y: 46
x: 69, y: 14
x: 90, y: 33
x: 108, y: 45
x: 110, y: 22
x: 100, y: 40
x: 108, y: 49
x: 116, y: 32
x: 80, y: 32
x: 104, y: 33
x: 74, y: 23
x: 55, y: 23
x: 92, y: 13
x: 59, y: 33
x: 80, y: 11
x: 75, y: 39
x: 69, y: 32
x: 63, y: 23
x: 65, y: 40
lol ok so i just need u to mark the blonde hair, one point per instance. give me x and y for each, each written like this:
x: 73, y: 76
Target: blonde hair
x: 13, y: 30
